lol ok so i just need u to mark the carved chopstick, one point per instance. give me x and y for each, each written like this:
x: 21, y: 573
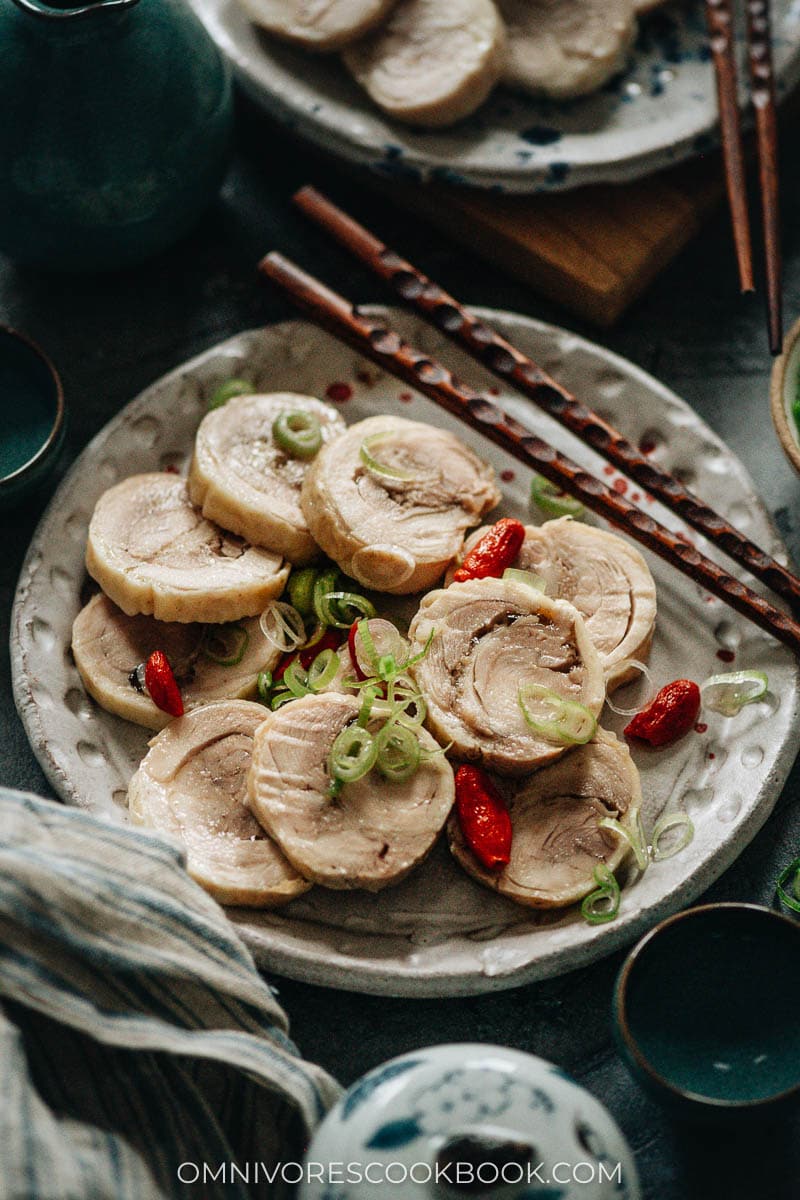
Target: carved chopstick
x: 762, y: 94
x: 720, y: 21
x: 501, y: 357
x: 374, y: 340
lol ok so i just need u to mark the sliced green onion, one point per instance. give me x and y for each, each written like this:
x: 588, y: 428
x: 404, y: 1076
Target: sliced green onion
x: 264, y: 686
x: 412, y: 662
x: 300, y: 590
x: 420, y: 711
x: 369, y: 694
x: 297, y: 432
x: 634, y: 837
x: 645, y: 670
x: 527, y: 577
x: 227, y: 390
x: 324, y: 584
x: 564, y: 721
x: 296, y: 679
x: 674, y: 820
x: 728, y: 694
x: 378, y: 468
x: 398, y: 752
x: 225, y: 644
x: 352, y: 755
x: 602, y: 904
x: 282, y: 626
x: 554, y: 503
x: 323, y: 670
x: 281, y: 698
x: 345, y: 607
x: 790, y: 896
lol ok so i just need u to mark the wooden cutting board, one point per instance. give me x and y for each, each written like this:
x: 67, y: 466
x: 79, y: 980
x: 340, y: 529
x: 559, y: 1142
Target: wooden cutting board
x: 594, y: 250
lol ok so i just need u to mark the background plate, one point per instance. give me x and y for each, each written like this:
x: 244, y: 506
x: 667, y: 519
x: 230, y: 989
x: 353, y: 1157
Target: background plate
x: 661, y: 110
x: 438, y: 933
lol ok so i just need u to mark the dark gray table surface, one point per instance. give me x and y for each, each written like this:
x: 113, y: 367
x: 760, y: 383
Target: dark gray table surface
x: 111, y: 336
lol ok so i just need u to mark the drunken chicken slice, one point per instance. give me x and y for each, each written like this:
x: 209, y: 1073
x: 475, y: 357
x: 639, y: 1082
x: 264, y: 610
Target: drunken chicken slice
x: 244, y: 481
x: 368, y: 836
x: 192, y: 784
x: 488, y: 638
x: 394, y: 526
x: 433, y: 62
x: 564, y: 48
x: 557, y: 842
x: 318, y: 24
x: 152, y: 552
x: 108, y: 646
x: 606, y: 579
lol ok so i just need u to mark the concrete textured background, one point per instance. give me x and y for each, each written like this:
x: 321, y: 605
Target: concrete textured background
x: 110, y: 336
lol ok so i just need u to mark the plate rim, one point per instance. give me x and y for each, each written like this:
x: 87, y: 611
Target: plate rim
x: 376, y: 976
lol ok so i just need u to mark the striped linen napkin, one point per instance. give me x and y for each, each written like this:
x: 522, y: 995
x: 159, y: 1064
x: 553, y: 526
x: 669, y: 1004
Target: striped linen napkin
x: 136, y: 1035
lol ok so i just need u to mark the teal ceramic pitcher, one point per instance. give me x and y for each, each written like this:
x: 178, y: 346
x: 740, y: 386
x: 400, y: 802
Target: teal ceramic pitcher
x: 116, y: 118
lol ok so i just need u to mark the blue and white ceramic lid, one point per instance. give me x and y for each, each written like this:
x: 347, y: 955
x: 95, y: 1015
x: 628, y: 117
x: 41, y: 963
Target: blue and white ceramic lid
x: 466, y: 1120
x: 660, y: 110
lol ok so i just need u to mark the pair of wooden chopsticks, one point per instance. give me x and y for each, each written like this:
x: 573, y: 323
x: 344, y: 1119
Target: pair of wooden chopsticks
x: 373, y: 339
x: 721, y: 27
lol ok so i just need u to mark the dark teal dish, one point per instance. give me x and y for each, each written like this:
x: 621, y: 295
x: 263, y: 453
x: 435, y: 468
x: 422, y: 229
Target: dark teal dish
x: 707, y: 1012
x: 32, y: 417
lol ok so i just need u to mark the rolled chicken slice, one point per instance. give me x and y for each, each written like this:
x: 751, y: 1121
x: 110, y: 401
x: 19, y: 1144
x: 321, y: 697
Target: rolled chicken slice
x: 565, y: 48
x: 433, y: 62
x: 557, y: 841
x: 318, y: 24
x: 244, y: 481
x: 489, y: 638
x: 153, y: 552
x: 396, y: 526
x: 108, y: 646
x: 192, y: 784
x: 607, y: 580
x: 374, y: 831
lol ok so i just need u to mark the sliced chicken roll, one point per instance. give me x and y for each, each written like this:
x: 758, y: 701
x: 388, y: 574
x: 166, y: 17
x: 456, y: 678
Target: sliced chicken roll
x: 192, y: 784
x: 557, y: 841
x: 489, y: 638
x: 242, y: 479
x: 433, y: 62
x: 390, y: 501
x: 152, y: 552
x: 374, y: 831
x: 318, y: 24
x: 209, y: 662
x: 564, y: 48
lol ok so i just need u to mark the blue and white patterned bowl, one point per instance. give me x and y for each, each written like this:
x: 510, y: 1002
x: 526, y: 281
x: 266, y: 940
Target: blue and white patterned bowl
x: 470, y: 1115
x: 661, y: 110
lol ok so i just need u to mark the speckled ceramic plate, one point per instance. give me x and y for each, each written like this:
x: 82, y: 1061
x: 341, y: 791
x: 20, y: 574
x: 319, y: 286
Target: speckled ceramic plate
x: 438, y: 933
x: 660, y: 110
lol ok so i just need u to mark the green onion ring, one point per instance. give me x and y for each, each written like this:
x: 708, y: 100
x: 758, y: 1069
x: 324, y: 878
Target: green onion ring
x: 378, y: 468
x: 241, y: 640
x: 264, y: 686
x: 299, y: 433
x: 338, y: 603
x: 554, y: 503
x: 282, y: 626
x: 227, y: 390
x: 296, y: 679
x: 669, y: 821
x: 790, y: 899
x: 325, y: 584
x: 323, y: 670
x: 572, y: 723
x: 527, y: 577
x: 281, y: 698
x: 634, y: 837
x: 300, y: 590
x: 728, y: 694
x: 352, y: 755
x: 369, y: 694
x: 607, y: 890
x: 398, y: 752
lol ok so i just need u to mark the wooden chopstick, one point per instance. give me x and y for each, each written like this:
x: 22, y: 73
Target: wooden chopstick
x: 506, y: 361
x: 375, y: 341
x: 762, y: 92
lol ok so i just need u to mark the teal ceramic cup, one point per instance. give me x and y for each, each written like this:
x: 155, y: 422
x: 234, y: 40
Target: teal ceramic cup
x: 32, y: 417
x: 706, y: 1012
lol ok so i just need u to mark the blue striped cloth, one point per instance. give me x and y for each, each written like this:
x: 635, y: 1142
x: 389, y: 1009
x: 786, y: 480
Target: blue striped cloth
x: 136, y: 1034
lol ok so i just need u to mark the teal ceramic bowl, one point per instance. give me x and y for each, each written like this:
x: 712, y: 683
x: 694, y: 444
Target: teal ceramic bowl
x: 32, y: 417
x: 707, y: 1012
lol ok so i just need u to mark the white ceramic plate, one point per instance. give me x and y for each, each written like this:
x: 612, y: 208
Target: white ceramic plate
x: 661, y: 110
x: 438, y: 933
